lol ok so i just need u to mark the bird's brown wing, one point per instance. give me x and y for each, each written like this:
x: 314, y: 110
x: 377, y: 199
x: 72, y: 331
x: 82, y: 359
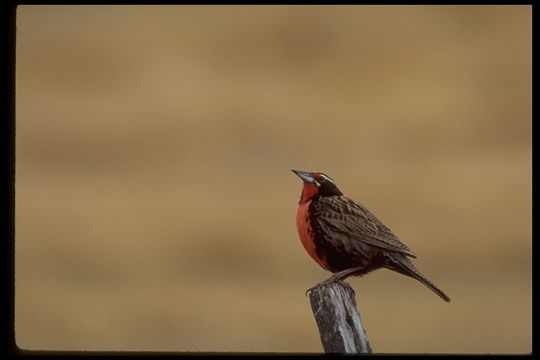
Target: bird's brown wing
x: 342, y: 215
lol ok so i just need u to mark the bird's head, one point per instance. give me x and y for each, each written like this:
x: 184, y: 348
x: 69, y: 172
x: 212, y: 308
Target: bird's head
x: 316, y: 184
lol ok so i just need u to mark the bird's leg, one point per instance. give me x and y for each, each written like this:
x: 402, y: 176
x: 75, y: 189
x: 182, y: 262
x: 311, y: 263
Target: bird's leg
x: 339, y: 276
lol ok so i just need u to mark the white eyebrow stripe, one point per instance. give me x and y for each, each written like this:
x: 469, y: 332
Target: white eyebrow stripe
x: 328, y: 178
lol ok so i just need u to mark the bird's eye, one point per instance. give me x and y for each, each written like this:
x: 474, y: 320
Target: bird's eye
x: 321, y: 179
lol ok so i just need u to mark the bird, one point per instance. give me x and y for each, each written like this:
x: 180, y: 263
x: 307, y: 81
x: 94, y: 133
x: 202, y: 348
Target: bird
x: 345, y: 238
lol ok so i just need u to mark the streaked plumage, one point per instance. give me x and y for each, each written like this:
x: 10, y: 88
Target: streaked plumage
x: 345, y: 238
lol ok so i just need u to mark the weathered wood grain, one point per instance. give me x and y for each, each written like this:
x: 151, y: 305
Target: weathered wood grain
x: 338, y: 319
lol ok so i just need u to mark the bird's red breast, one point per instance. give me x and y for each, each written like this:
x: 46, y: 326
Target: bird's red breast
x: 305, y: 231
x: 344, y: 236
x: 308, y: 191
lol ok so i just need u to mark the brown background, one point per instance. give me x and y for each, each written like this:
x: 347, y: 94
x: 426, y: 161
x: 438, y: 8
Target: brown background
x: 155, y: 207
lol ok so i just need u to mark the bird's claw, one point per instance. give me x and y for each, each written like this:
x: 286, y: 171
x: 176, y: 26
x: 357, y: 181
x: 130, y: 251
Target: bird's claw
x: 322, y: 283
x: 311, y: 288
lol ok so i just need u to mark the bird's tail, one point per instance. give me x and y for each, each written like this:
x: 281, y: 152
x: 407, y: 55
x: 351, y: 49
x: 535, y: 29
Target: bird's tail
x: 404, y: 266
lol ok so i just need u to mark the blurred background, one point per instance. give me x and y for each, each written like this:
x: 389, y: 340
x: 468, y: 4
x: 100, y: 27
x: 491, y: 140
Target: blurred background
x: 155, y: 206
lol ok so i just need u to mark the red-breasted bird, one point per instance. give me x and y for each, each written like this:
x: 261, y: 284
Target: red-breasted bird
x: 344, y: 237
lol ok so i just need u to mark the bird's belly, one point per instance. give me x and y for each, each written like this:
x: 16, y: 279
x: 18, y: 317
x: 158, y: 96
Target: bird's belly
x: 335, y: 252
x: 341, y: 255
x: 307, y: 235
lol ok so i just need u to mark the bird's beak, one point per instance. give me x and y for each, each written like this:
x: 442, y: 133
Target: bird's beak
x: 307, y: 177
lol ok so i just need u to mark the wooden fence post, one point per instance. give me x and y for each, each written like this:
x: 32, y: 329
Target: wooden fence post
x: 337, y: 317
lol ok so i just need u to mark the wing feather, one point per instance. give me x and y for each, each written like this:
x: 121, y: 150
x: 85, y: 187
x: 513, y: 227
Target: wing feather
x: 342, y: 216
